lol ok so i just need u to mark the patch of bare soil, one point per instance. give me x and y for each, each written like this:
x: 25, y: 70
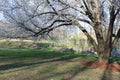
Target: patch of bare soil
x: 114, y: 67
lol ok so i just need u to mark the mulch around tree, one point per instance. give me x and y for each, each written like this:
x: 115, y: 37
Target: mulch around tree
x: 114, y: 67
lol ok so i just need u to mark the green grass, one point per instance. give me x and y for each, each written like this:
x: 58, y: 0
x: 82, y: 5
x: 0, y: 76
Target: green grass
x: 41, y: 54
x: 115, y: 59
x: 47, y: 64
x: 45, y: 45
x: 26, y: 53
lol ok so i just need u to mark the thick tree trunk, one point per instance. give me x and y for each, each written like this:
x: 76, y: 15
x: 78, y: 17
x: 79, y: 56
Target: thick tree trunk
x: 104, y: 54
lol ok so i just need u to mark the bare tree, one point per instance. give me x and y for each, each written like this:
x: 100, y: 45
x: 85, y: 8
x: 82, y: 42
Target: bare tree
x: 42, y: 16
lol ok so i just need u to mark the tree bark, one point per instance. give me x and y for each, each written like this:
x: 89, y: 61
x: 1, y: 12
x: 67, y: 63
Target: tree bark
x: 104, y: 53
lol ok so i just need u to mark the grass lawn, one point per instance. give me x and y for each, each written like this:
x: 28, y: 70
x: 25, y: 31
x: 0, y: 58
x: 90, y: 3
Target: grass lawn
x: 47, y: 64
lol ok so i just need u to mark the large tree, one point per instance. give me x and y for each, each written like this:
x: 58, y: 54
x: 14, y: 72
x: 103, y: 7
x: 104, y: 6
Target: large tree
x: 42, y: 16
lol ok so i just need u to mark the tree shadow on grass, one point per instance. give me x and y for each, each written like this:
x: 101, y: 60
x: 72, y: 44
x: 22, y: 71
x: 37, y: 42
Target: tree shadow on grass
x: 108, y: 73
x: 77, y: 70
x: 71, y: 73
x: 18, y: 65
x: 107, y: 69
x: 70, y: 76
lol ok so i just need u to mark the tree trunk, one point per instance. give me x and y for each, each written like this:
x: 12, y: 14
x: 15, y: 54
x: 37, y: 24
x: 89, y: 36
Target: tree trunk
x: 104, y: 54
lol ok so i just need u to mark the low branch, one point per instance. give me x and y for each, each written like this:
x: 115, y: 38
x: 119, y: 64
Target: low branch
x: 90, y: 38
x: 79, y: 19
x: 48, y: 29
